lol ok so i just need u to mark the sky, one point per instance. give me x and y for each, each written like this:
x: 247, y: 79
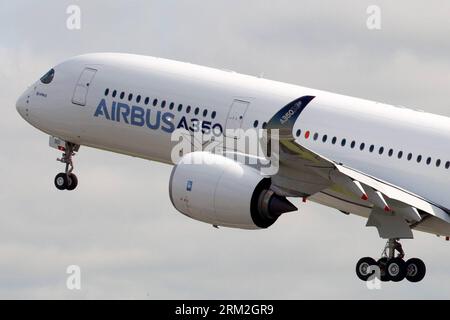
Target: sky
x: 119, y: 226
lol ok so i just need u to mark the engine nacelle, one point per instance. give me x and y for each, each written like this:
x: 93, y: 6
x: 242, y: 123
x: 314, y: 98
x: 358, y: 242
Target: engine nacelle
x: 220, y: 191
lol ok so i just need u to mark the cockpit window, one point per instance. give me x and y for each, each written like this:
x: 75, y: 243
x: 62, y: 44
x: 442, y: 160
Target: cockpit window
x: 48, y: 77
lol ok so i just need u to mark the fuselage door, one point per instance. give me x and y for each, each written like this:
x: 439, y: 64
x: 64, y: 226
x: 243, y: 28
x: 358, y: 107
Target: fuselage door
x: 236, y: 114
x: 82, y: 87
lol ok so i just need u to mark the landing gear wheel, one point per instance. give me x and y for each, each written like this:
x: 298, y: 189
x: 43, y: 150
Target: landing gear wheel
x: 396, y: 269
x: 61, y: 181
x: 392, y: 267
x: 363, y: 270
x: 415, y: 270
x: 72, y: 181
x: 67, y: 180
x: 382, y: 263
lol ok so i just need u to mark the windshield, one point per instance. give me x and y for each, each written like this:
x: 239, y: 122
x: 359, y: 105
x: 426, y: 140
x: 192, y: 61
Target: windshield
x: 48, y: 77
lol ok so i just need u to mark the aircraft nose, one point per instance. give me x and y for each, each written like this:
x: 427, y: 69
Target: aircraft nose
x: 22, y: 104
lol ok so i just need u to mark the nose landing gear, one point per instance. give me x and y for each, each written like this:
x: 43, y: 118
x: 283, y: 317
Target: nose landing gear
x: 392, y: 268
x: 67, y: 180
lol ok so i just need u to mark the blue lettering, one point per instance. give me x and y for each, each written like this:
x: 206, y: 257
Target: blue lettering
x: 195, y: 125
x: 113, y: 111
x: 102, y: 110
x: 149, y: 122
x: 206, y: 127
x: 183, y: 124
x: 217, y: 129
x: 137, y: 116
x: 125, y: 113
x: 167, y: 118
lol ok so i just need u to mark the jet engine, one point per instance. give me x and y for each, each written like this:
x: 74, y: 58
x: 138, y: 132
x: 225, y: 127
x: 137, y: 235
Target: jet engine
x: 223, y: 192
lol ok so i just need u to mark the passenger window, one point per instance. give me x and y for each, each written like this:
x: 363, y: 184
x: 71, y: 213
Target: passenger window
x: 419, y: 158
x: 428, y: 160
x: 114, y: 94
x: 48, y: 77
x: 106, y: 92
x: 333, y: 141
x: 438, y: 162
x: 409, y: 156
x: 171, y: 106
x: 400, y: 154
x: 391, y: 152
x: 353, y: 144
x: 447, y: 165
x: 188, y: 109
x: 381, y: 150
x: 255, y: 124
x: 372, y: 147
x: 147, y: 100
x: 138, y: 99
x: 343, y: 142
x: 298, y: 133
x: 213, y: 115
x: 324, y: 138
x: 155, y: 102
x: 316, y: 136
x: 180, y: 107
x: 361, y: 147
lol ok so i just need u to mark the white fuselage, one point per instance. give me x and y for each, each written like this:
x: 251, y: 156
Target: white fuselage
x: 172, y: 85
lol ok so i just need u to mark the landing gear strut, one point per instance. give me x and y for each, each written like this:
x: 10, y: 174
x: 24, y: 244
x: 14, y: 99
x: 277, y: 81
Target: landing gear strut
x: 67, y: 180
x: 392, y: 268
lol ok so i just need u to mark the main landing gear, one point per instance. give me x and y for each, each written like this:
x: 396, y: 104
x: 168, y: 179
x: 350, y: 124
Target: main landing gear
x: 67, y: 180
x: 391, y: 267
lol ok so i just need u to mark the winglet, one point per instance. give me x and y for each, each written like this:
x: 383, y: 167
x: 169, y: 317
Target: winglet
x: 285, y: 118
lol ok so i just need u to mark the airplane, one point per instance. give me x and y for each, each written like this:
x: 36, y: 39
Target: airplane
x: 387, y: 164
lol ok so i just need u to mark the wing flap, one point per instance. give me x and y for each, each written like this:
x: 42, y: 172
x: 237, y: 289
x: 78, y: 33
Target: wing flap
x: 395, y: 193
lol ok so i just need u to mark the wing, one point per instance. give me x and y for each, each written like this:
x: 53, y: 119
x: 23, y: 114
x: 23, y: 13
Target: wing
x: 392, y: 210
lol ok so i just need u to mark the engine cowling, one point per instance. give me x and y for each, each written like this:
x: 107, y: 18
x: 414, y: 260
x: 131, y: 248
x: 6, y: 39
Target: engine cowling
x: 220, y: 191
